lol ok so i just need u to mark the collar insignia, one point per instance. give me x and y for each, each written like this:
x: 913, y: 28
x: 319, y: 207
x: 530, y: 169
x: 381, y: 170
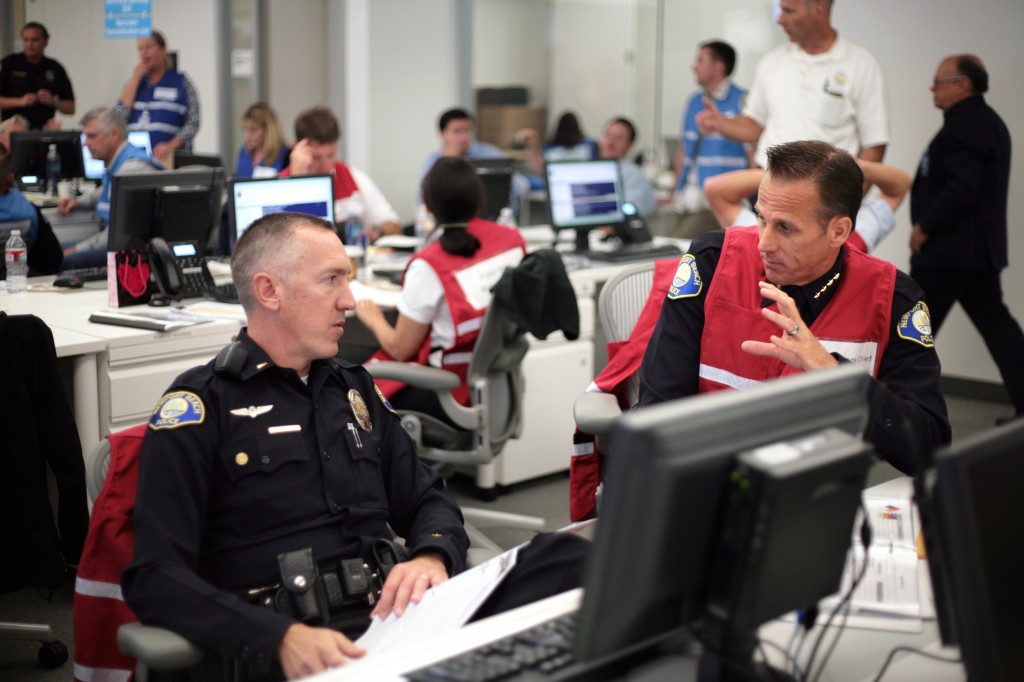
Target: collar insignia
x: 833, y: 280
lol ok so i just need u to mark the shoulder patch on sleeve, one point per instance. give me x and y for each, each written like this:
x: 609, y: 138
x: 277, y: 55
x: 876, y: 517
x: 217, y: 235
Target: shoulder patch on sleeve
x: 178, y: 408
x: 384, y: 400
x: 916, y: 325
x: 687, y: 282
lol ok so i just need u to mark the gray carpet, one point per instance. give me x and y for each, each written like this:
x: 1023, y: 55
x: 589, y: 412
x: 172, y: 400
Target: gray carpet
x: 546, y: 497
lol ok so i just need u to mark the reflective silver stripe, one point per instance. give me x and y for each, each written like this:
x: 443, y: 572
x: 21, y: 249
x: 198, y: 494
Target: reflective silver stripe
x: 720, y: 376
x: 582, y: 449
x: 457, y: 358
x: 469, y: 326
x: 97, y: 588
x: 160, y: 104
x: 87, y: 674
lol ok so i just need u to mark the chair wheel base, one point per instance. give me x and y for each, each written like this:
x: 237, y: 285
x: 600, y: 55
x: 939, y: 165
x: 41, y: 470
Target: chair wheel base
x: 490, y: 494
x: 52, y: 654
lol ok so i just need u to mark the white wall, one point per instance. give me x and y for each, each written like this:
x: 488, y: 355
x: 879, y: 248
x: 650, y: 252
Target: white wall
x: 99, y: 68
x: 510, y: 45
x: 909, y: 38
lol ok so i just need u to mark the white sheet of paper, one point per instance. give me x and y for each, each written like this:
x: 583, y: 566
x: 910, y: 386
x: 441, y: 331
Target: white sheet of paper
x: 444, y: 608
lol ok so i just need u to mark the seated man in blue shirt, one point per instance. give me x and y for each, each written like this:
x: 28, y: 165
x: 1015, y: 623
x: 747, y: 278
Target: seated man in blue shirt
x: 106, y: 136
x: 619, y: 136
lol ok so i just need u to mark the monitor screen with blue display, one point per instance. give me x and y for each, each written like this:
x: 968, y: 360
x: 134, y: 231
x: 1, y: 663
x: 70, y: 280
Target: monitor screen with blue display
x: 252, y: 198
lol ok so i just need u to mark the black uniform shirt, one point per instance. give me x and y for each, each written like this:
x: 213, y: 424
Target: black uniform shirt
x: 234, y: 471
x: 909, y: 412
x: 20, y: 77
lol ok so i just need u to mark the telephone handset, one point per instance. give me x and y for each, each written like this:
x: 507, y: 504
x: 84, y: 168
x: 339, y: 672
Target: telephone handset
x: 633, y: 229
x: 179, y: 268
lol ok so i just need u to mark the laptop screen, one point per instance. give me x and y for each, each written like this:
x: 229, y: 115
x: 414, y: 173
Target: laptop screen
x: 253, y: 198
x: 94, y: 167
x: 584, y: 193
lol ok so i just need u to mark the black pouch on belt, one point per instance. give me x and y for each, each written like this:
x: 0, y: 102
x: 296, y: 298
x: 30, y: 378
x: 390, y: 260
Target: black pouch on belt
x: 301, y: 582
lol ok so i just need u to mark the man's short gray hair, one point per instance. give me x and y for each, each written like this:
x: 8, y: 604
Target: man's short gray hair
x: 108, y: 118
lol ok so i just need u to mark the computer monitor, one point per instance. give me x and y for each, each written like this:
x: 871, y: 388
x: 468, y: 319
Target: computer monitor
x: 724, y: 510
x: 971, y: 506
x: 583, y: 195
x: 252, y: 198
x: 180, y: 206
x: 28, y: 156
x: 183, y: 159
x: 496, y: 176
x: 93, y: 168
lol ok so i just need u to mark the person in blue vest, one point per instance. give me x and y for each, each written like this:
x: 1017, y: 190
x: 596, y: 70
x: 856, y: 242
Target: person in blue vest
x: 703, y: 156
x: 161, y: 100
x: 106, y: 136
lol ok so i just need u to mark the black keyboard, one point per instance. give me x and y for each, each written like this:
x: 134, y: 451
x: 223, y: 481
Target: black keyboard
x: 541, y: 652
x: 93, y: 274
x: 225, y: 293
x: 636, y: 252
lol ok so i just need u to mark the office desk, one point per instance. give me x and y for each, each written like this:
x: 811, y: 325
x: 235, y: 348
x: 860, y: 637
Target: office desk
x: 72, y: 228
x: 117, y: 373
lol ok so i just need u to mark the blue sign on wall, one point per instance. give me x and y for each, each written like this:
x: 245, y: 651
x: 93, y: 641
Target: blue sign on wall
x: 128, y: 18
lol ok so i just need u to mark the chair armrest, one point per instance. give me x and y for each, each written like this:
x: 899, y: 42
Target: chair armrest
x: 157, y: 648
x: 595, y: 412
x: 431, y: 378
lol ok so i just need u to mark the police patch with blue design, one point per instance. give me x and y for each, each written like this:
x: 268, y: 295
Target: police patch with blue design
x: 383, y: 399
x: 687, y: 282
x: 179, y: 408
x: 916, y: 326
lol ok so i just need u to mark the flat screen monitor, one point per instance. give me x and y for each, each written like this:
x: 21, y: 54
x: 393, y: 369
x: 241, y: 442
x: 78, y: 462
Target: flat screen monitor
x: 496, y: 176
x: 971, y: 509
x: 252, y: 198
x: 93, y: 168
x: 583, y: 195
x: 28, y: 156
x: 183, y: 159
x: 180, y: 206
x: 686, y: 482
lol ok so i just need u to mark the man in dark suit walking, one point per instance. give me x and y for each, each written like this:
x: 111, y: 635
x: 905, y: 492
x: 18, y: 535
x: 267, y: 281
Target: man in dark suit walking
x: 958, y: 209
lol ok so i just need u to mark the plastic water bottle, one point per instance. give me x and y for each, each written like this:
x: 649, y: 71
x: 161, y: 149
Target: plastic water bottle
x: 52, y: 170
x: 16, y: 259
x: 506, y: 217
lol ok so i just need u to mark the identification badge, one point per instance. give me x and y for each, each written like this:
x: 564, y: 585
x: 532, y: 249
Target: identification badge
x: 165, y: 93
x: 362, y: 414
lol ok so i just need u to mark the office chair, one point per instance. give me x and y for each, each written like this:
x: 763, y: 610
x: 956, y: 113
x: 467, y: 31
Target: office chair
x: 39, y: 434
x: 619, y: 304
x: 496, y: 387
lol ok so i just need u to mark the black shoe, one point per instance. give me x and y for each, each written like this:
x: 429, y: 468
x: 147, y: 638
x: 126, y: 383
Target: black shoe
x: 1003, y: 421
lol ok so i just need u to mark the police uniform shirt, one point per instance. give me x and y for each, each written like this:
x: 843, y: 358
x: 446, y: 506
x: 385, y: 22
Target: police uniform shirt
x: 235, y: 471
x: 20, y: 77
x: 906, y: 393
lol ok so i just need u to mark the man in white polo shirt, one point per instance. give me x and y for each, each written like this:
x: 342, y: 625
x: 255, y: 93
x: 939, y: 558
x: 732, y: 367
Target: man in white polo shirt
x: 819, y: 86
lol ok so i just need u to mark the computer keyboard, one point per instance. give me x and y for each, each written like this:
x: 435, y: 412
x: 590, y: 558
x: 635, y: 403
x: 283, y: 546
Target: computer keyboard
x: 636, y: 252
x: 541, y: 652
x: 93, y: 274
x: 225, y: 293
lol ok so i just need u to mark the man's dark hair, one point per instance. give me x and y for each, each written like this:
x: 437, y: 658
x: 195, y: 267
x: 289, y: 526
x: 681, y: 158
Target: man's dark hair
x: 629, y: 124
x: 266, y: 243
x: 317, y: 124
x: 722, y: 52
x: 39, y: 27
x: 836, y: 174
x: 453, y: 192
x: 970, y: 66
x: 456, y: 114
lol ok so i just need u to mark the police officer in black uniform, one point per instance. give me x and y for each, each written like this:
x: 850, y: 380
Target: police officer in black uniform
x: 32, y: 84
x: 273, y: 448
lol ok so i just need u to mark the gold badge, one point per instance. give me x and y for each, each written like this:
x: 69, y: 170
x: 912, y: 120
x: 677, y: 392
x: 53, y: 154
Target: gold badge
x: 241, y: 459
x: 359, y: 410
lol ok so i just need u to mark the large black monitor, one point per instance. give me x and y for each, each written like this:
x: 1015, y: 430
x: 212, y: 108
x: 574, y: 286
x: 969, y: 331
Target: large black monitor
x: 252, y: 198
x: 723, y: 511
x: 496, y: 176
x: 180, y: 206
x: 971, y: 510
x: 28, y: 156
